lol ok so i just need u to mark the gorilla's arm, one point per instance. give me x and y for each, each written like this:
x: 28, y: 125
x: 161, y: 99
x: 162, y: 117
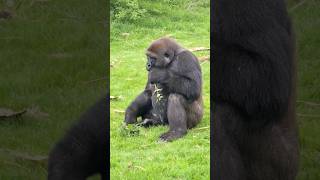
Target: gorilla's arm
x: 182, y: 77
x: 256, y: 76
x: 261, y: 85
x: 138, y: 107
x: 83, y: 150
x: 187, y: 85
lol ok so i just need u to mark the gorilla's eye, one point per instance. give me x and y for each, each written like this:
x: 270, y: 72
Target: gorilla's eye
x: 166, y: 55
x: 151, y: 59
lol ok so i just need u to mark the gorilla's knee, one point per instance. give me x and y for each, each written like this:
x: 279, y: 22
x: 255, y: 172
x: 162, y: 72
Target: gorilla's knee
x: 176, y: 109
x: 176, y: 99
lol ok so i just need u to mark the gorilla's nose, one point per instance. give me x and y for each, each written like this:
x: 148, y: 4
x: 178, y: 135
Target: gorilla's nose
x: 148, y: 66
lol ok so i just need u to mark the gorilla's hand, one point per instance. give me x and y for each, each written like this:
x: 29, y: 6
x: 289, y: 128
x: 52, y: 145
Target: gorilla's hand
x: 158, y: 75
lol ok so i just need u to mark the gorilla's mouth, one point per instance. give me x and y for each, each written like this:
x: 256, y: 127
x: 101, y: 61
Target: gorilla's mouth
x: 150, y: 63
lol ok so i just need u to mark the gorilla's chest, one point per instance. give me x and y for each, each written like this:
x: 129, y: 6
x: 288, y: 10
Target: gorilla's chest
x: 159, y: 102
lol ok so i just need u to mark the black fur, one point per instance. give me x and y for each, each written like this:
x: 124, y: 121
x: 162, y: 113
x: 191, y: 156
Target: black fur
x: 253, y: 91
x: 82, y: 152
x: 178, y: 73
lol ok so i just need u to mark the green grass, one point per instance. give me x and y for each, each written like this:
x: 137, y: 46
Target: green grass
x: 48, y: 51
x: 307, y: 26
x: 142, y: 157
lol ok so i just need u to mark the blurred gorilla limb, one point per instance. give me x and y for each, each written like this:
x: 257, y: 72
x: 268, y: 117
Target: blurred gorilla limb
x: 82, y: 152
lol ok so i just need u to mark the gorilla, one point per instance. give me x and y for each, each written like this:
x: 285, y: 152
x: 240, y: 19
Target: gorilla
x: 173, y: 93
x: 254, y: 130
x: 82, y: 152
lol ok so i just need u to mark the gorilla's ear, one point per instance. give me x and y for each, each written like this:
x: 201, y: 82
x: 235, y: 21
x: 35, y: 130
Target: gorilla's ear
x: 169, y: 54
x: 168, y: 57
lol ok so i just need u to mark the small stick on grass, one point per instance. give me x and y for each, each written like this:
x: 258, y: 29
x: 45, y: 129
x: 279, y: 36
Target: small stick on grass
x: 201, y: 128
x: 309, y: 103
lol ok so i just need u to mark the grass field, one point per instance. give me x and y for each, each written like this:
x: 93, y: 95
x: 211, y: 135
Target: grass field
x: 306, y: 19
x: 142, y: 157
x: 50, y: 51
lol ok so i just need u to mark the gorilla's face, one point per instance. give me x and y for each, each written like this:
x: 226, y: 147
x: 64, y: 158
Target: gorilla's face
x: 159, y: 61
x: 159, y: 54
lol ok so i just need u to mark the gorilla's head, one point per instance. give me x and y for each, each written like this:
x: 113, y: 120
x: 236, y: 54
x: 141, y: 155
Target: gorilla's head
x: 161, y: 53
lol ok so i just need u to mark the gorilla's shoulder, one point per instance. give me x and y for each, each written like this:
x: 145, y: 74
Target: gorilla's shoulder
x: 186, y: 61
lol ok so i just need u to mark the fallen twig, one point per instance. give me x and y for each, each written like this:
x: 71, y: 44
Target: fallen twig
x: 147, y: 145
x: 201, y: 128
x: 199, y: 49
x: 118, y: 111
x: 35, y: 112
x: 8, y: 113
x: 115, y: 98
x: 309, y: 103
x: 297, y: 5
x: 204, y: 58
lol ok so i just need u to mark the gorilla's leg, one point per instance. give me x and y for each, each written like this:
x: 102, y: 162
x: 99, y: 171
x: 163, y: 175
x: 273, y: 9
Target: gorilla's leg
x: 228, y: 163
x: 177, y: 118
x: 140, y: 106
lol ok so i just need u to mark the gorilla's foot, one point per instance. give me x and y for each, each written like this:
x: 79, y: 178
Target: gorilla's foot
x: 172, y: 135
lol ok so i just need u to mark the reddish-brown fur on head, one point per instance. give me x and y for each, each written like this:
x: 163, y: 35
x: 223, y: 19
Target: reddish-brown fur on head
x: 163, y: 50
x: 163, y: 44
